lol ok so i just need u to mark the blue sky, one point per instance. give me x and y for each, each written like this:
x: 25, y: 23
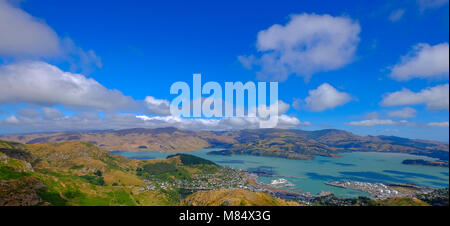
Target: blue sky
x: 139, y: 48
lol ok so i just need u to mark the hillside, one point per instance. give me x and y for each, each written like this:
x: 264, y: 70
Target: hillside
x: 75, y: 173
x: 236, y: 197
x: 299, y: 144
x: 71, y: 173
x: 400, y: 201
x: 79, y: 173
x: 295, y: 144
x: 164, y: 139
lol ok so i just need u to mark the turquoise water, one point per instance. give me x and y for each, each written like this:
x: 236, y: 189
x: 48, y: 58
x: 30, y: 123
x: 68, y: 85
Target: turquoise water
x: 310, y: 175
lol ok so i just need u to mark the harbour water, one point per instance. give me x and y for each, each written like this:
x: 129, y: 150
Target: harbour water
x: 311, y: 175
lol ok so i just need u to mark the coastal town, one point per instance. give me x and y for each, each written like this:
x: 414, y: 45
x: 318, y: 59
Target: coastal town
x: 241, y: 179
x: 227, y: 178
x: 224, y: 178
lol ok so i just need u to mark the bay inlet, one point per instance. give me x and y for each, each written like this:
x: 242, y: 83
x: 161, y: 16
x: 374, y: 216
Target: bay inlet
x: 312, y: 175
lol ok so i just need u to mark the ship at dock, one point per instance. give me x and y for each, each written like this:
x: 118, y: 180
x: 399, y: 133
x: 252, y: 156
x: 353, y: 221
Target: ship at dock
x: 281, y: 183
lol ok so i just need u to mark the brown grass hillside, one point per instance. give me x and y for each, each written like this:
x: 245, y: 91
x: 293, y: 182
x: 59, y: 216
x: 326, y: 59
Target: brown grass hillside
x: 236, y: 197
x: 402, y: 201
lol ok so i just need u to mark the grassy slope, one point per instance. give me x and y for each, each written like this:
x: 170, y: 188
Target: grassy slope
x: 79, y: 173
x: 236, y: 197
x: 69, y: 169
x: 400, y: 201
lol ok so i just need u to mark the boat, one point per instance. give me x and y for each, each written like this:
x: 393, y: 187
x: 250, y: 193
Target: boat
x: 280, y: 181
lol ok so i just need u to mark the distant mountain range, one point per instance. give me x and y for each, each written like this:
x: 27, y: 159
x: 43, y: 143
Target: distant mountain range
x: 295, y: 144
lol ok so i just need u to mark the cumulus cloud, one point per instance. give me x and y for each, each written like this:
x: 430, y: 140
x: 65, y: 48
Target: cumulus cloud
x: 283, y: 107
x: 435, y: 98
x: 424, y: 61
x: 44, y: 84
x: 11, y: 120
x: 438, y: 124
x: 389, y: 122
x: 43, y: 119
x: 225, y: 123
x: 325, y: 97
x: 406, y: 112
x: 307, y: 44
x: 157, y: 106
x: 26, y: 37
x: 77, y: 121
x: 430, y: 4
x: 93, y: 121
x: 396, y: 15
x: 376, y: 122
x: 23, y: 34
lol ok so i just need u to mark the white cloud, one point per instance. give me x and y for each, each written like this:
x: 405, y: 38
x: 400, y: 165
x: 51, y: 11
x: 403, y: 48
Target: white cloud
x: 375, y: 122
x: 26, y: 37
x: 307, y: 44
x: 283, y: 107
x: 424, y: 61
x: 44, y: 84
x: 389, y: 122
x: 396, y: 15
x: 438, y: 124
x: 12, y: 119
x: 325, y: 97
x: 157, y: 106
x: 406, y: 112
x: 75, y: 122
x: 429, y: 4
x: 435, y: 98
x: 52, y: 119
x: 92, y: 121
x: 225, y: 123
x: 22, y: 34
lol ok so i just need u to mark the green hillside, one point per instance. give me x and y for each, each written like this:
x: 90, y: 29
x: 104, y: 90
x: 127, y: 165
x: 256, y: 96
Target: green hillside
x: 78, y: 173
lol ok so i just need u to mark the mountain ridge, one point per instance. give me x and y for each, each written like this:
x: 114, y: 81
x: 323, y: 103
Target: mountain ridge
x: 285, y: 143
